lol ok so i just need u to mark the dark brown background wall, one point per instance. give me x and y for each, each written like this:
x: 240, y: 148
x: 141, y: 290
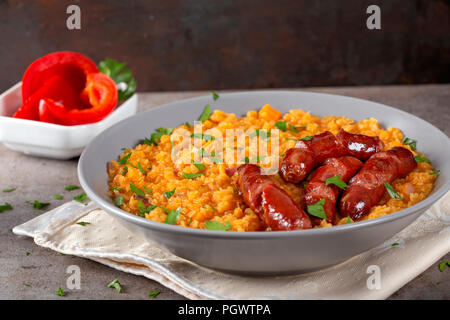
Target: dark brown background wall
x: 206, y: 44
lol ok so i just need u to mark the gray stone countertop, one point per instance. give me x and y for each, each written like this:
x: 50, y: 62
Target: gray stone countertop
x: 21, y: 261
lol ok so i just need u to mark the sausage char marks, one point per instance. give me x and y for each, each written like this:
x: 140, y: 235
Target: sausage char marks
x: 271, y: 203
x: 367, y: 187
x: 301, y: 160
x: 342, y: 167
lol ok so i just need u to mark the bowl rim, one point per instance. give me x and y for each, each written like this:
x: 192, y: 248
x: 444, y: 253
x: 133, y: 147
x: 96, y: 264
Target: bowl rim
x: 257, y: 235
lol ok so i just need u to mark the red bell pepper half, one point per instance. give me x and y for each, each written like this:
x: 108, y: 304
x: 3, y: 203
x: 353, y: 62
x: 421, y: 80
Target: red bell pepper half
x: 72, y: 66
x: 100, y: 93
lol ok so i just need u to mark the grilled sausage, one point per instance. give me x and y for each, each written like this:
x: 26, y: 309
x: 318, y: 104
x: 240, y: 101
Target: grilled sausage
x: 306, y: 155
x: 367, y: 187
x: 344, y: 167
x: 270, y: 202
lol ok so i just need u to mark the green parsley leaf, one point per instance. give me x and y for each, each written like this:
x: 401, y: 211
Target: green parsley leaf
x: 435, y: 172
x: 206, y: 113
x: 71, y: 187
x: 392, y: 192
x: 282, y: 125
x: 58, y: 197
x: 153, y: 294
x: 443, y: 264
x: 261, y: 133
x: 199, y: 166
x: 245, y: 160
x: 115, y: 284
x: 38, y: 205
x: 411, y: 143
x: 27, y: 253
x: 206, y: 137
x: 172, y: 216
x: 419, y: 158
x: 156, y: 137
x: 168, y: 194
x: 148, y: 190
x: 125, y: 170
x: 124, y: 160
x: 60, y: 292
x: 9, y: 190
x: 5, y: 207
x: 82, y: 223
x: 141, y: 169
x: 116, y: 189
x: 82, y: 198
x: 395, y: 244
x: 214, y: 95
x: 216, y: 225
x: 348, y: 220
x: 295, y: 129
x: 336, y: 180
x: 192, y: 175
x: 307, y: 138
x: 143, y: 209
x: 115, y: 71
x: 211, y: 207
x: 187, y: 125
x: 26, y: 284
x: 118, y: 201
x: 136, y: 190
x: 317, y: 210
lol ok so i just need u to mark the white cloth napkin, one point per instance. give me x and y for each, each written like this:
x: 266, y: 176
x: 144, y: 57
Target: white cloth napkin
x: 105, y: 240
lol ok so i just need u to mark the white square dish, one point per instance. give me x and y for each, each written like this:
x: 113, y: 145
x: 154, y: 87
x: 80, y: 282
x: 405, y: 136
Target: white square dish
x: 51, y: 140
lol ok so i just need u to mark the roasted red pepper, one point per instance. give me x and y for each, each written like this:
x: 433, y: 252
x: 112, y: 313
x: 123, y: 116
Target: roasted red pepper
x: 72, y: 66
x: 100, y: 93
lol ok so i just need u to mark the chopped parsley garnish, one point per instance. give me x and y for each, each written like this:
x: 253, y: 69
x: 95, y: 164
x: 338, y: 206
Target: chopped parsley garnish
x: 172, y: 216
x: 443, y: 264
x: 214, y: 95
x: 282, y: 125
x: 348, y: 220
x: 148, y: 190
x: 143, y: 209
x: 58, y: 197
x: 71, y: 187
x: 392, y: 192
x: 260, y: 133
x: 118, y: 201
x: 187, y: 125
x: 307, y: 138
x: 155, y: 137
x: 206, y: 113
x: 27, y: 253
x: 9, y: 190
x: 5, y: 207
x: 199, y: 166
x: 258, y: 158
x: 211, y: 207
x: 395, y: 244
x: 82, y: 223
x: 116, y: 189
x: 136, y: 190
x: 411, y: 143
x: 82, y: 198
x: 38, y: 205
x: 153, y: 294
x: 317, y: 210
x: 206, y: 137
x: 203, y: 153
x: 125, y: 170
x: 124, y: 160
x: 435, y: 172
x: 115, y: 284
x: 245, y: 160
x: 294, y: 128
x: 141, y: 169
x: 336, y: 180
x: 168, y: 194
x: 192, y: 175
x: 115, y: 70
x: 60, y: 292
x: 216, y: 225
x: 26, y: 284
x: 419, y: 158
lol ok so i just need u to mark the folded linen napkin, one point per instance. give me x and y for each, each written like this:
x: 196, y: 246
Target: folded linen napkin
x: 397, y: 261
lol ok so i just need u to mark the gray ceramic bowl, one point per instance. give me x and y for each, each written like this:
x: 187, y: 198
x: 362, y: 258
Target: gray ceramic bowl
x: 263, y: 252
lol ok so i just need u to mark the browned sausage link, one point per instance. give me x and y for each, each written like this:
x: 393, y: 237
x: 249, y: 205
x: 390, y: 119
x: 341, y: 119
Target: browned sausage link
x: 306, y: 155
x: 367, y: 187
x: 359, y: 145
x: 270, y: 202
x: 344, y: 167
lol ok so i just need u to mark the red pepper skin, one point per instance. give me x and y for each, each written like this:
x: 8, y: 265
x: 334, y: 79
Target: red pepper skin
x: 72, y: 66
x: 100, y: 93
x: 55, y: 88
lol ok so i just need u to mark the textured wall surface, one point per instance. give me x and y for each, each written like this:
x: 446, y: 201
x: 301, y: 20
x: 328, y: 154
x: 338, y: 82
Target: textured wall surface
x: 207, y: 44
